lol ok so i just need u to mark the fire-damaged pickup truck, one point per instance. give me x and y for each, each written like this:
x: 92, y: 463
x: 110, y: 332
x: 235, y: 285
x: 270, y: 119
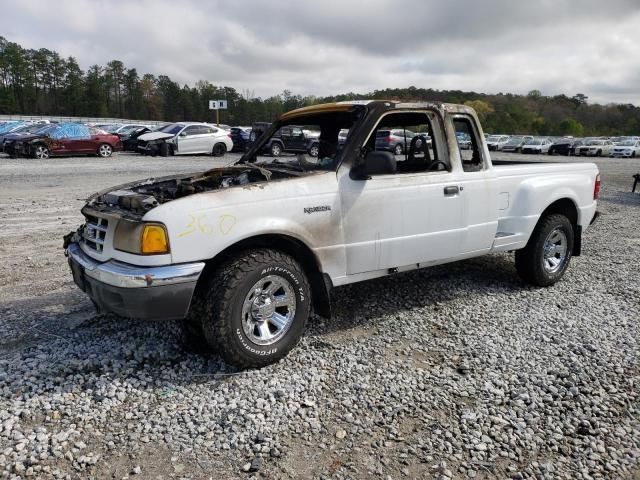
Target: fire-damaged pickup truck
x: 241, y: 254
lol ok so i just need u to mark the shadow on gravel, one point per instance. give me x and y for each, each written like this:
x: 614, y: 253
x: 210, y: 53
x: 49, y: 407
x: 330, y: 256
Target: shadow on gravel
x: 85, y: 351
x: 628, y: 199
x: 359, y: 303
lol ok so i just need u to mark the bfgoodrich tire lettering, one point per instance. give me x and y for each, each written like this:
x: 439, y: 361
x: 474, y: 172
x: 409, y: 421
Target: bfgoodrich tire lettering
x: 224, y: 316
x: 546, y: 256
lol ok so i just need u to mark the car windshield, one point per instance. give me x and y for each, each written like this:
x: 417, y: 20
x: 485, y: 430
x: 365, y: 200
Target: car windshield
x: 535, y: 141
x: 305, y: 142
x: 172, y: 128
x: 628, y: 143
x: 515, y: 140
x: 129, y: 128
x: 494, y: 138
x: 595, y: 142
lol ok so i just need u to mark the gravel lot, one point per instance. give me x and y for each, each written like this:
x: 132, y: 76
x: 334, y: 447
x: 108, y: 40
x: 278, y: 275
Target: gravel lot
x: 459, y: 371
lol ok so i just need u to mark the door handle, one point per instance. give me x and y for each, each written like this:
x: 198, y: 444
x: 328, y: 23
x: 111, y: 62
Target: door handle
x: 451, y: 190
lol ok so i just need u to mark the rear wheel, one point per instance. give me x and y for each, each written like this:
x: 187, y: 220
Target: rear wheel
x: 255, y: 307
x: 546, y: 256
x: 219, y: 149
x: 314, y: 150
x: 105, y: 150
x: 40, y: 151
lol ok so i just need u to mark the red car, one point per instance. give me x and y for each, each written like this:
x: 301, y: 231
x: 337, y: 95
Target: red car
x: 66, y: 139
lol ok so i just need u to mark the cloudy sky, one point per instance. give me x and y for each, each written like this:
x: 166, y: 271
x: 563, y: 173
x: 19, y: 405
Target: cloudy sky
x: 336, y: 46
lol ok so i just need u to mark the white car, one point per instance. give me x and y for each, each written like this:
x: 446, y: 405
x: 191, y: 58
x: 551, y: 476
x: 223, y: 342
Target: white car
x: 186, y: 138
x: 628, y: 148
x: 496, y: 142
x: 595, y: 148
x: 537, y: 145
x: 241, y: 253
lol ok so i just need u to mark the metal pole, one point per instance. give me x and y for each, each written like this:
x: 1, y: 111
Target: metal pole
x: 217, y: 117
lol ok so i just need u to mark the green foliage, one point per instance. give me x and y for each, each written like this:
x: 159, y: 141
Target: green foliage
x: 571, y: 127
x: 42, y: 82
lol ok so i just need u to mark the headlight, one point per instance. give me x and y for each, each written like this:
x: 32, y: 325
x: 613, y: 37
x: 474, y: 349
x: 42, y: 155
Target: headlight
x: 141, y: 238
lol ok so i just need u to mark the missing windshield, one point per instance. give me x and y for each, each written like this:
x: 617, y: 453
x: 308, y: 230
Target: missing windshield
x: 309, y: 141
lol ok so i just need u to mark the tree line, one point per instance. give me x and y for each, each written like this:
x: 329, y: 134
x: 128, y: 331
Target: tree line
x: 41, y: 82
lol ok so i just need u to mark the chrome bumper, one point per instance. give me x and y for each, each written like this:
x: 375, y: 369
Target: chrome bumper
x: 132, y: 291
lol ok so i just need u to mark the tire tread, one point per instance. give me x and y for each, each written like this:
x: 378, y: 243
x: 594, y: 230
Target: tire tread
x: 217, y: 303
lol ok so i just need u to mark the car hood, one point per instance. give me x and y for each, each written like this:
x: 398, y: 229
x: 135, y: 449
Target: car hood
x: 155, y: 136
x: 133, y: 200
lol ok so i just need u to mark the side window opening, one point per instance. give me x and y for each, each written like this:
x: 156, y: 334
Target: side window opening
x: 468, y: 144
x: 409, y: 137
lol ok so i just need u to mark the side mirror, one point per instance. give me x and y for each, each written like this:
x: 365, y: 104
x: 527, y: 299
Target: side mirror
x: 379, y: 163
x: 183, y: 134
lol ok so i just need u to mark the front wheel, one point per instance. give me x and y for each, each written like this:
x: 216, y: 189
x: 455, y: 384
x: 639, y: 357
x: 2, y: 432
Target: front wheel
x: 219, y: 149
x: 314, y: 150
x: 41, y: 152
x: 398, y: 149
x: 545, y: 258
x: 105, y: 150
x: 256, y: 307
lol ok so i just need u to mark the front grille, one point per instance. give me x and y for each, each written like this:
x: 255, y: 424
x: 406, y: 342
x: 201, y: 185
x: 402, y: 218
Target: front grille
x: 94, y: 232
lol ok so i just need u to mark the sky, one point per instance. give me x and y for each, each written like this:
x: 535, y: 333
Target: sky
x: 328, y: 47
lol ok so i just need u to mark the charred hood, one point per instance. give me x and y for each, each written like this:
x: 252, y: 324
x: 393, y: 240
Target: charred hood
x: 134, y: 200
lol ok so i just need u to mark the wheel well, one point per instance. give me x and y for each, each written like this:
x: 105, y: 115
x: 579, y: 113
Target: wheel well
x: 319, y: 282
x: 566, y: 207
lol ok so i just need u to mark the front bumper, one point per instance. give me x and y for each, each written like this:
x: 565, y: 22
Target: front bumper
x: 158, y: 293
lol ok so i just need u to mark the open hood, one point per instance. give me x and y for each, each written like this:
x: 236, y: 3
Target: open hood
x: 133, y: 200
x: 147, y: 137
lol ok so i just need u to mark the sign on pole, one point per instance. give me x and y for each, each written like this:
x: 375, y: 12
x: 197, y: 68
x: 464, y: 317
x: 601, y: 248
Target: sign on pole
x: 217, y: 104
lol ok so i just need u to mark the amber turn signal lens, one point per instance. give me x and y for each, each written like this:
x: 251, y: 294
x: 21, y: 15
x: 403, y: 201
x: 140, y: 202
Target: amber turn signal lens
x: 154, y: 239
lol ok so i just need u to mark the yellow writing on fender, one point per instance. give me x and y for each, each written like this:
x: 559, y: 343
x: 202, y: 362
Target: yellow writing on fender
x: 198, y: 224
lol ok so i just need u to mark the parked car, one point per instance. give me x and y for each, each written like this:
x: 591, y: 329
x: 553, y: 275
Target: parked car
x: 129, y: 137
x: 627, y: 148
x: 240, y: 254
x: 537, y: 145
x: 619, y: 140
x: 186, y: 138
x: 515, y: 143
x: 464, y: 140
x: 10, y: 137
x: 394, y: 140
x: 495, y: 142
x: 241, y: 138
x: 66, y: 139
x: 595, y: 148
x: 293, y: 139
x: 563, y: 146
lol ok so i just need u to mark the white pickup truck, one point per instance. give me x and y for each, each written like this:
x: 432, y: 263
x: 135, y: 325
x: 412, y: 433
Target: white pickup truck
x: 242, y: 253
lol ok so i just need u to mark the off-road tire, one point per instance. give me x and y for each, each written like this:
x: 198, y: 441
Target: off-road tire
x: 529, y: 260
x: 222, y: 301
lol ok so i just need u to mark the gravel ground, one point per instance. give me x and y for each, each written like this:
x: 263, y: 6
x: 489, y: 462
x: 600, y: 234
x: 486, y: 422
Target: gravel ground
x: 458, y: 371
